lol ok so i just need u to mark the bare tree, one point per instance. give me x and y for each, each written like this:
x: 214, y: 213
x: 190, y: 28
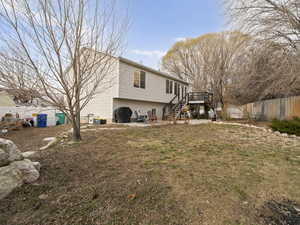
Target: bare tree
x: 206, y: 61
x: 265, y: 70
x: 18, y: 80
x: 269, y: 19
x: 270, y: 67
x: 67, y: 47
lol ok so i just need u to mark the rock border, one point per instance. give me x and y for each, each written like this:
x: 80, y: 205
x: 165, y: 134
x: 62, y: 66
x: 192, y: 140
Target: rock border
x: 277, y: 133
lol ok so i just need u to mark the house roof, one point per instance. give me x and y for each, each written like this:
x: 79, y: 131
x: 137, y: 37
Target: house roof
x: 138, y: 65
x: 157, y: 72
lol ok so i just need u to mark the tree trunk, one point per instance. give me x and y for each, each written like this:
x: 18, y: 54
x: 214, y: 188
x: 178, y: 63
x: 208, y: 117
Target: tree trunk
x: 76, y: 127
x: 76, y: 134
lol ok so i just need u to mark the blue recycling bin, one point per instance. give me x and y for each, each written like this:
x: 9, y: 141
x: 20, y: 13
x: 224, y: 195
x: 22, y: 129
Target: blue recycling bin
x: 42, y: 120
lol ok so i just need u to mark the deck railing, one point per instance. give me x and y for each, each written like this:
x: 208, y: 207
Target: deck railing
x: 192, y: 97
x: 200, y: 96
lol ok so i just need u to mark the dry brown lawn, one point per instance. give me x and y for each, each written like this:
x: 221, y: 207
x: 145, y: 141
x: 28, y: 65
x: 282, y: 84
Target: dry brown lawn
x: 176, y: 174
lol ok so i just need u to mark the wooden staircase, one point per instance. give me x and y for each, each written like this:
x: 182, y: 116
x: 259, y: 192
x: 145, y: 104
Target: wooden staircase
x: 173, y: 110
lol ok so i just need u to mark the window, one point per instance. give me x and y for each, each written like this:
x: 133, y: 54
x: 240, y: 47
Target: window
x: 176, y: 89
x: 185, y: 90
x: 139, y: 80
x: 169, y: 86
x: 143, y: 79
x: 136, y: 81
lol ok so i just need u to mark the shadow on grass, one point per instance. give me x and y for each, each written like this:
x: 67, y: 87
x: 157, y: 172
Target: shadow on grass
x: 283, y: 212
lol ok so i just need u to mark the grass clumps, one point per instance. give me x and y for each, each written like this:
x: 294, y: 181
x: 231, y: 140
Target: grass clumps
x: 287, y: 126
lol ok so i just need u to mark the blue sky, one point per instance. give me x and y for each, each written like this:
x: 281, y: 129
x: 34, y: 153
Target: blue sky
x: 157, y: 24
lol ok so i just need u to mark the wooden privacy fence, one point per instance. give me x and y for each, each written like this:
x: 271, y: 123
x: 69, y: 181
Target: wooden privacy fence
x: 280, y: 108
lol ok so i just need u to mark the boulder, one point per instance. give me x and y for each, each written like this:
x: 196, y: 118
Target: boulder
x: 11, y: 149
x: 52, y: 142
x: 49, y: 139
x: 37, y: 165
x: 29, y: 154
x: 29, y: 173
x: 10, y: 178
x: 4, y: 158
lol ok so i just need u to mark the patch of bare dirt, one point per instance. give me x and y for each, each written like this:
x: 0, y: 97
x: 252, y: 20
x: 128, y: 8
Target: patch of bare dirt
x: 31, y: 139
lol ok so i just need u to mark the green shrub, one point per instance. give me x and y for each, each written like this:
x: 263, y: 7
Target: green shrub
x: 287, y: 126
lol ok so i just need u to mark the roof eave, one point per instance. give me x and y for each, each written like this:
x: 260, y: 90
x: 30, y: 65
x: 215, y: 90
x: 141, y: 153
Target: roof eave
x: 132, y: 63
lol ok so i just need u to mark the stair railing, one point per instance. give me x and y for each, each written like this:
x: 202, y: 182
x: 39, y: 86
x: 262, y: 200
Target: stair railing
x: 169, y: 105
x: 173, y: 107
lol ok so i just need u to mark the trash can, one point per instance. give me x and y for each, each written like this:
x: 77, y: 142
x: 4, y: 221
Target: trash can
x: 60, y: 118
x: 103, y: 121
x: 42, y: 120
x: 97, y: 121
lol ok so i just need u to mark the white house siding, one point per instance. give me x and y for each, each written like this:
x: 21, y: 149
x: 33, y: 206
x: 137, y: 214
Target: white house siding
x: 155, y: 90
x: 101, y: 105
x: 140, y: 106
x: 123, y: 93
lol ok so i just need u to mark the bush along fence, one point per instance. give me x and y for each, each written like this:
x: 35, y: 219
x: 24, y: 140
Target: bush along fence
x: 287, y: 126
x: 280, y: 108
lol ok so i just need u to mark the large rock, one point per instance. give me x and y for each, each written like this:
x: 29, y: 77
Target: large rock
x: 11, y: 149
x: 3, y: 158
x: 52, y: 141
x: 37, y: 165
x: 29, y: 172
x: 10, y: 178
x: 277, y: 133
x: 29, y: 154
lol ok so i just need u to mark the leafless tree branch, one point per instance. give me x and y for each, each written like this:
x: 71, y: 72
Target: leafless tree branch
x: 66, y: 48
